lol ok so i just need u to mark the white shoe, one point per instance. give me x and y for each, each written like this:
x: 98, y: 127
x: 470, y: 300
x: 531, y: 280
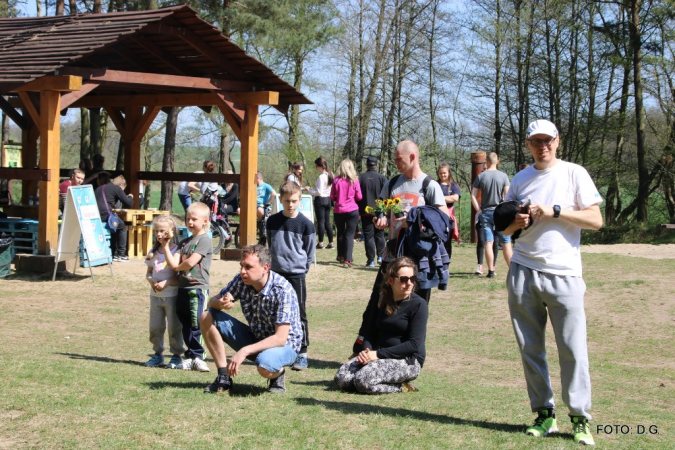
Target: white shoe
x: 186, y: 364
x: 199, y: 365
x: 479, y: 269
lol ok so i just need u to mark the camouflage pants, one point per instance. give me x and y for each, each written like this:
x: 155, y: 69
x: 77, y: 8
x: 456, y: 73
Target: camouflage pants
x: 382, y: 376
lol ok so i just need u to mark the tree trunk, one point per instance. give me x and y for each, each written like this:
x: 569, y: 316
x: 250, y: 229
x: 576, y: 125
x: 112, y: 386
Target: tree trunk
x: 60, y: 6
x: 166, y: 197
x: 85, y: 141
x: 643, y: 172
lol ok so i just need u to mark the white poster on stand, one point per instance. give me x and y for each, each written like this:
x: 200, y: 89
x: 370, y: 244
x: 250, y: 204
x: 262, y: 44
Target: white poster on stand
x: 81, y: 218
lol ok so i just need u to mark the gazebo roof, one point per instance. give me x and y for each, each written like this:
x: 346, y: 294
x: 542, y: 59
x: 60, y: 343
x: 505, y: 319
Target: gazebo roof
x: 172, y: 41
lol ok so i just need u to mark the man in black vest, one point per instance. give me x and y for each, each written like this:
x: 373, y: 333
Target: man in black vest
x: 371, y: 183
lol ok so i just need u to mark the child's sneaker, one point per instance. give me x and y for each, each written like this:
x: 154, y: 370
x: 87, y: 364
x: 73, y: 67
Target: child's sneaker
x: 544, y: 424
x: 157, y: 360
x: 301, y: 362
x: 582, y: 431
x: 479, y: 269
x: 174, y: 362
x: 199, y: 365
x: 185, y: 364
x: 222, y: 384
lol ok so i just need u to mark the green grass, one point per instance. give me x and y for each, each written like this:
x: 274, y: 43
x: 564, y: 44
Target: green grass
x: 71, y: 372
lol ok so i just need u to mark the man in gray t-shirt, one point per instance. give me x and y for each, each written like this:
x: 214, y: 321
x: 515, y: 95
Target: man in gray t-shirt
x: 493, y: 186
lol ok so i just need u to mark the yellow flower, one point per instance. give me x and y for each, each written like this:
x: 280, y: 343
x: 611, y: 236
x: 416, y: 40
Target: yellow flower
x: 397, y: 200
x: 369, y: 209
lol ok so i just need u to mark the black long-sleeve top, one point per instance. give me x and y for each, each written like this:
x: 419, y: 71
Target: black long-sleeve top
x: 231, y: 197
x: 113, y: 193
x: 402, y: 334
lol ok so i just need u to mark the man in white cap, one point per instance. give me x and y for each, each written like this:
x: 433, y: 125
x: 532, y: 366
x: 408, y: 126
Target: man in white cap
x: 545, y: 278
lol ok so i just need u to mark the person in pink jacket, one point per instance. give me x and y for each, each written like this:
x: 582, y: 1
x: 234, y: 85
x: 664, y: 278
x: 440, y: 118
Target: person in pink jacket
x: 345, y: 192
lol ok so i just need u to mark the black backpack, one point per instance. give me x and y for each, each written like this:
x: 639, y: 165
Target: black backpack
x: 428, y: 199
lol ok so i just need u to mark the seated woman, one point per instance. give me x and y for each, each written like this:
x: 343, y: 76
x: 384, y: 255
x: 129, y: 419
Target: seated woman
x: 394, y: 341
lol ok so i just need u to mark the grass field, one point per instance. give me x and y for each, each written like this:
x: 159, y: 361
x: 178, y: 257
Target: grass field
x: 72, y: 374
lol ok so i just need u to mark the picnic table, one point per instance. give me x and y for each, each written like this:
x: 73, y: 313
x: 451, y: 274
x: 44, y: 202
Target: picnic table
x: 139, y: 225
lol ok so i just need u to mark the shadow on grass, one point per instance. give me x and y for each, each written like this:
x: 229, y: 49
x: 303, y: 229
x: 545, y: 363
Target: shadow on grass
x: 238, y: 390
x: 320, y: 364
x: 360, y: 408
x: 34, y: 277
x: 467, y: 275
x: 104, y: 359
x: 328, y: 384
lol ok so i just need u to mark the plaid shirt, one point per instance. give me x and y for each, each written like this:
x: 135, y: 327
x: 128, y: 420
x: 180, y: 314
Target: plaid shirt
x: 276, y: 304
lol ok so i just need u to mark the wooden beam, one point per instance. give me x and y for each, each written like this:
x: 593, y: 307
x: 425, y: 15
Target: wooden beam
x: 50, y: 154
x: 160, y: 54
x: 30, y: 106
x: 196, y: 42
x: 71, y: 97
x: 249, y: 167
x: 163, y: 80
x: 256, y: 98
x: 29, y: 156
x: 61, y: 83
x: 121, y: 101
x: 13, y: 114
x: 25, y: 174
x: 134, y: 117
x: 118, y: 119
x: 182, y: 176
x: 144, y: 124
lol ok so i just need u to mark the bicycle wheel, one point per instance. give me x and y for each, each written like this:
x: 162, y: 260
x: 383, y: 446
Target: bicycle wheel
x: 217, y: 237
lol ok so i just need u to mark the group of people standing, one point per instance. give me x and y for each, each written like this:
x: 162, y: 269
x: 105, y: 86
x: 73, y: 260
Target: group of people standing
x: 552, y: 201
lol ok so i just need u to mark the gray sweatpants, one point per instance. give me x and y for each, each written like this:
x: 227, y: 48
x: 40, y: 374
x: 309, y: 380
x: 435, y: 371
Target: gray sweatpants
x: 163, y: 316
x: 532, y: 295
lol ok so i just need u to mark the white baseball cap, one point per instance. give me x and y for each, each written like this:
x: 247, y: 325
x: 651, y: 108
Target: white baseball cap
x: 542, y: 127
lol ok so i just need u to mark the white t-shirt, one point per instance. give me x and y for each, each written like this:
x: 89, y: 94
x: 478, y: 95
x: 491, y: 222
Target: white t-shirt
x: 161, y: 271
x: 552, y: 245
x: 322, y: 186
x: 183, y: 187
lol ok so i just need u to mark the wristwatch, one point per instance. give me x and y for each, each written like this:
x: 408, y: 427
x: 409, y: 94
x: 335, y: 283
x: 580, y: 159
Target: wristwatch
x: 556, y: 211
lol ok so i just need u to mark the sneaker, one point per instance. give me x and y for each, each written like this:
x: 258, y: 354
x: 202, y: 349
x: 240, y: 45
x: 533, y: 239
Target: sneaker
x: 278, y: 385
x: 123, y: 258
x: 319, y: 245
x: 544, y: 424
x: 340, y: 259
x: 222, y: 384
x: 329, y: 246
x: 379, y: 260
x: 407, y: 386
x: 301, y: 362
x: 185, y: 364
x: 479, y: 269
x: 199, y: 365
x: 174, y: 362
x: 371, y: 264
x: 157, y: 360
x: 349, y: 264
x: 116, y: 259
x: 491, y: 274
x: 582, y: 431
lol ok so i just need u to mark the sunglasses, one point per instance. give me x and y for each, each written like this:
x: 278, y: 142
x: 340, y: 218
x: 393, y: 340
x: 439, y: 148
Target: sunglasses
x: 404, y: 280
x: 539, y: 142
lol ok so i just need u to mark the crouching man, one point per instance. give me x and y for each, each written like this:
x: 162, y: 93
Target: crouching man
x: 273, y: 335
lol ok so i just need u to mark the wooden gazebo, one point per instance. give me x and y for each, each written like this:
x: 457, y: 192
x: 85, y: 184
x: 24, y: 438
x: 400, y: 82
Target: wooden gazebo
x: 132, y: 64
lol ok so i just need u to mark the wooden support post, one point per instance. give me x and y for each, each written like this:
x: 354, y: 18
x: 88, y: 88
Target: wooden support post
x: 50, y: 154
x: 249, y: 167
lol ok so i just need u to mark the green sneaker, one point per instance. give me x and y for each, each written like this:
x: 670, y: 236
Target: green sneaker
x: 544, y: 424
x: 582, y: 431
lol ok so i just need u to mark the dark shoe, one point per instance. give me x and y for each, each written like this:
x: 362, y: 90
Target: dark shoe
x: 340, y: 259
x: 349, y: 264
x: 330, y: 245
x: 222, y: 384
x: 491, y: 274
x: 370, y: 264
x: 319, y: 245
x: 123, y: 259
x: 278, y: 385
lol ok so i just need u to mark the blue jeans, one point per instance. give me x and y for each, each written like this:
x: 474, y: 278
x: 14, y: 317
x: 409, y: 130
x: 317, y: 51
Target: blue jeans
x: 486, y: 222
x: 185, y: 200
x: 237, y: 335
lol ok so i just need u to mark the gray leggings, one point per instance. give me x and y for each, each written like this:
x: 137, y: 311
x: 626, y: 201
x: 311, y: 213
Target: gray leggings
x: 382, y: 376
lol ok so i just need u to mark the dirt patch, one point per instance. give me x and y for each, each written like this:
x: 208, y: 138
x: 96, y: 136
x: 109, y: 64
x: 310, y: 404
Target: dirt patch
x: 664, y: 251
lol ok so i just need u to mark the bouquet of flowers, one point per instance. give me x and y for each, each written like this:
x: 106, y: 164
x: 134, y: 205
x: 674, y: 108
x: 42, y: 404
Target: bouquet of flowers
x: 378, y: 210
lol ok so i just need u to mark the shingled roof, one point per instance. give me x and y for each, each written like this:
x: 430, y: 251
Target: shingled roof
x: 172, y: 41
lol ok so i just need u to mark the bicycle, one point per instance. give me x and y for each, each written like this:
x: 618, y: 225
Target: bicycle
x: 221, y: 232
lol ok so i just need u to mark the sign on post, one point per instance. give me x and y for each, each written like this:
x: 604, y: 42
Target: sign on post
x: 82, y: 219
